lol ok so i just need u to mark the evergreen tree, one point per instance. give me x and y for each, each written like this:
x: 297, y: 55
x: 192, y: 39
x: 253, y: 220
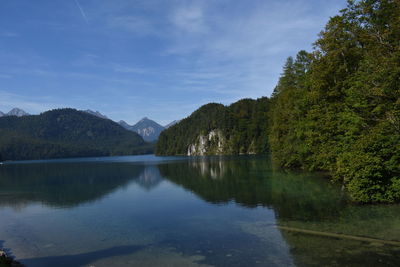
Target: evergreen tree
x: 338, y: 110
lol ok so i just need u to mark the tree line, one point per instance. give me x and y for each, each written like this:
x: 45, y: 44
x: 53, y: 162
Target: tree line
x: 65, y: 133
x: 337, y: 108
x: 242, y: 125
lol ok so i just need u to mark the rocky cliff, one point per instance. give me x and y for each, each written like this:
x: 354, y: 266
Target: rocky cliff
x: 211, y: 143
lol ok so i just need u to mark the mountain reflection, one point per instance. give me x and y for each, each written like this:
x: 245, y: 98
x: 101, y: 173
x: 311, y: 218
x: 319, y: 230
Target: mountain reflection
x: 149, y: 177
x: 300, y: 201
x: 249, y: 183
x: 69, y: 184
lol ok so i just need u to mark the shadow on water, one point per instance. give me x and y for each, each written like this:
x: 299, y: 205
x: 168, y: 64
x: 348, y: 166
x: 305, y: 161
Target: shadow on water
x: 82, y: 259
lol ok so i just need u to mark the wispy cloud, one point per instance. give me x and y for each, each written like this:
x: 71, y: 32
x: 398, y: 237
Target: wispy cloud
x: 153, y: 58
x: 189, y: 17
x: 82, y: 12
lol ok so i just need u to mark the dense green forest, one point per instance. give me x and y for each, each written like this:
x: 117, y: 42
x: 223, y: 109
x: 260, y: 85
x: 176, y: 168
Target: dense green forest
x: 338, y: 108
x: 335, y: 109
x: 65, y: 133
x: 241, y: 125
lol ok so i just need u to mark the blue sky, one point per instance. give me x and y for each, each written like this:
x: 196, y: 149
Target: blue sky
x: 160, y: 59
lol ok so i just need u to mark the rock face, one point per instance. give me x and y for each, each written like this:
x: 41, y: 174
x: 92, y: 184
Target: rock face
x: 241, y: 128
x: 2, y: 114
x: 211, y: 143
x: 17, y: 112
x: 148, y: 129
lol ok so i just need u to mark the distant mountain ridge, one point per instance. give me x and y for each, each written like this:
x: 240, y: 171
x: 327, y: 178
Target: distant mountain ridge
x: 64, y: 133
x: 147, y: 128
x: 96, y: 113
x: 125, y: 125
x: 14, y: 112
x: 172, y: 123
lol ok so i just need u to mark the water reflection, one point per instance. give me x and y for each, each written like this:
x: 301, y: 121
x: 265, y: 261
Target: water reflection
x: 66, y: 185
x: 299, y: 201
x: 253, y: 183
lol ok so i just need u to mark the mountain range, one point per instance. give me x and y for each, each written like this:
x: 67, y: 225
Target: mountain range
x: 147, y: 128
x: 64, y: 133
x: 14, y: 112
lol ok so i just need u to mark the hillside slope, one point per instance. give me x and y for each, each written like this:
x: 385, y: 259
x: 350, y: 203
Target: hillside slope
x: 65, y: 133
x: 240, y: 128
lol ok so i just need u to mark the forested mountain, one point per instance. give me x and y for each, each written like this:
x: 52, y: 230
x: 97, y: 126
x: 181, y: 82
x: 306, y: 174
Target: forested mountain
x: 338, y: 108
x: 240, y: 128
x: 65, y: 133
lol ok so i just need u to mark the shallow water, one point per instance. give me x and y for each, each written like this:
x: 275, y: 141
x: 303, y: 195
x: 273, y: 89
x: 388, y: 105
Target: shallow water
x: 170, y: 211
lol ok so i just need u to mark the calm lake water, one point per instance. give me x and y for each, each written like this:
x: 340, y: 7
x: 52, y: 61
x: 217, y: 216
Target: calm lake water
x: 205, y: 211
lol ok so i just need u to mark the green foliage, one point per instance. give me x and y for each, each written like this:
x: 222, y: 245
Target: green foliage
x: 243, y: 125
x: 65, y: 133
x: 338, y: 108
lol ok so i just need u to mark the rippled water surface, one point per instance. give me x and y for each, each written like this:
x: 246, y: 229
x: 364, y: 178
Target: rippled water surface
x: 206, y: 211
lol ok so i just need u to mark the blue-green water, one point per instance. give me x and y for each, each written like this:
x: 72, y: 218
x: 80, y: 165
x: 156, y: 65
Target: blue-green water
x: 206, y: 211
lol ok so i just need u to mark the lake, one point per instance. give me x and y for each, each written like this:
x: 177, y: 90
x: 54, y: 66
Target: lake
x: 180, y: 211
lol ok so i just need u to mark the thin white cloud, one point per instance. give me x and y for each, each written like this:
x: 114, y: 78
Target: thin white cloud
x: 82, y: 12
x: 189, y: 18
x: 244, y: 51
x: 215, y: 50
